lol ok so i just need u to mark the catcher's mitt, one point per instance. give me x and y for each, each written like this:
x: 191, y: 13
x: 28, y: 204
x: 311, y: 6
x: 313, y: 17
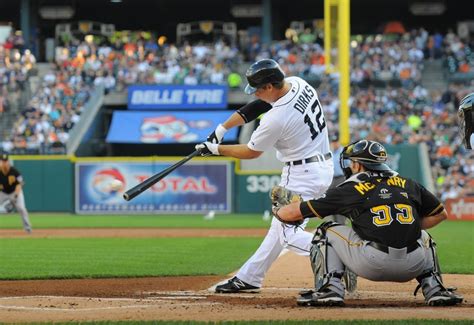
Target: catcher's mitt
x: 280, y: 197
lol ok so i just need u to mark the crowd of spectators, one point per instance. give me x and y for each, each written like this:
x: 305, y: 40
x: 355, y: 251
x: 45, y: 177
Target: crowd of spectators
x: 122, y: 63
x: 380, y: 59
x: 44, y: 122
x: 412, y: 116
x: 15, y: 67
x: 43, y: 126
x: 407, y: 113
x: 376, y: 59
x: 458, y: 53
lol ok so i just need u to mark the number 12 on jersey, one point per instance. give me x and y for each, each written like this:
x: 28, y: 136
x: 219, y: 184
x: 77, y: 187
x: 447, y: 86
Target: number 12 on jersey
x: 315, y: 116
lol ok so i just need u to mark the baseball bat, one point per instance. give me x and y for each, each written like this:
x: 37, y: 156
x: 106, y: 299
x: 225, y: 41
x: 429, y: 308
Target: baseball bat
x: 149, y: 182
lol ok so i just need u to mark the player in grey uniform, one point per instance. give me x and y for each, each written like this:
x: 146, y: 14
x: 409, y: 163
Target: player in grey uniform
x: 387, y: 240
x: 350, y: 278
x: 294, y: 125
x: 11, y: 192
x: 466, y: 120
x: 338, y: 177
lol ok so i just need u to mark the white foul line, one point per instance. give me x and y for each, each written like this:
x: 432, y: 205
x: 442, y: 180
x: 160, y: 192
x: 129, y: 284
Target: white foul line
x: 68, y: 309
x: 100, y: 308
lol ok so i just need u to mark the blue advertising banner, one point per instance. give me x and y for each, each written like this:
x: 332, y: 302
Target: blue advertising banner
x: 166, y: 127
x: 177, y: 97
x: 193, y: 188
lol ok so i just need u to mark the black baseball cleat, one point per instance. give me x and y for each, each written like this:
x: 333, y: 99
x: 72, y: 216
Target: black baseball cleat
x: 444, y: 298
x: 305, y: 298
x: 235, y: 285
x: 321, y: 298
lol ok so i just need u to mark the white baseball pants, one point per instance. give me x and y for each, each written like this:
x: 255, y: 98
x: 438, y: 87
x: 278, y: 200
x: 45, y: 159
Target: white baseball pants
x: 310, y: 181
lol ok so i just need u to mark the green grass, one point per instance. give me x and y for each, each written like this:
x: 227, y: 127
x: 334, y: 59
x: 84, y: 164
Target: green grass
x: 118, y: 257
x: 289, y: 322
x: 136, y: 221
x: 34, y: 258
x: 133, y: 221
x: 455, y: 246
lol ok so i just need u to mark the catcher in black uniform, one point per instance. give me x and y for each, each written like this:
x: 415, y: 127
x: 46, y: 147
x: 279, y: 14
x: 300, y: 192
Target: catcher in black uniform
x: 387, y: 240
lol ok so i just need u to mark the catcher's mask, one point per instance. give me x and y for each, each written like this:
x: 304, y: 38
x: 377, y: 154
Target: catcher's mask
x: 371, y: 154
x: 466, y: 119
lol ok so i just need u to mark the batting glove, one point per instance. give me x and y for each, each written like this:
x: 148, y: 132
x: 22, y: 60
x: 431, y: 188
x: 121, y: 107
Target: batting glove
x: 208, y: 149
x: 217, y: 135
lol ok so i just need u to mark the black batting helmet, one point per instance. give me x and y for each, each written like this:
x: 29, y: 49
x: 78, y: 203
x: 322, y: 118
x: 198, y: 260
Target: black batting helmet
x: 371, y: 154
x: 466, y: 119
x: 266, y: 71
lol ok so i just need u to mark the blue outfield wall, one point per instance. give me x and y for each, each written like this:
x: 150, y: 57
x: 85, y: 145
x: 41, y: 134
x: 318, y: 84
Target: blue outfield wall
x: 49, y: 182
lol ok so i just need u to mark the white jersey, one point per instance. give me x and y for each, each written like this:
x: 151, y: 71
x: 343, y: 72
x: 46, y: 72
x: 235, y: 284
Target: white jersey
x: 295, y: 125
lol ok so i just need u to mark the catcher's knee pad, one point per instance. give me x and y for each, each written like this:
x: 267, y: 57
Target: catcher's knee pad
x: 321, y: 231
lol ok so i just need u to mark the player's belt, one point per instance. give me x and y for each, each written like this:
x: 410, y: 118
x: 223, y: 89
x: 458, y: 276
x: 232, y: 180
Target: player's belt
x: 385, y: 248
x: 316, y: 158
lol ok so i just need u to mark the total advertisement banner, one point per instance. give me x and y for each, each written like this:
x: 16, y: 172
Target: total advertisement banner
x: 461, y: 208
x: 177, y: 97
x: 192, y: 188
x: 166, y: 127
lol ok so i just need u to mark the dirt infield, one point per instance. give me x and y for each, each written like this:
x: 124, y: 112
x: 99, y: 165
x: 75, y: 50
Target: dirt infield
x: 192, y: 298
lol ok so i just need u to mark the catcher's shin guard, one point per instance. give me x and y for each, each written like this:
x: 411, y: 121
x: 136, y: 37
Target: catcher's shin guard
x: 350, y: 280
x: 431, y: 281
x: 318, y: 263
x: 434, y: 291
x: 427, y: 239
x: 318, y: 254
x: 436, y: 267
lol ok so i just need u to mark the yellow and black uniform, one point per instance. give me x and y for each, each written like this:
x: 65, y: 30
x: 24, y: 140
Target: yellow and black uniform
x: 385, y: 241
x: 10, y: 180
x: 386, y: 210
x: 10, y: 196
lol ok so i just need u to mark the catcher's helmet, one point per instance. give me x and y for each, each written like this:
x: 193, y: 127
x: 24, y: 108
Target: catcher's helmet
x: 371, y: 154
x: 266, y: 71
x: 466, y: 119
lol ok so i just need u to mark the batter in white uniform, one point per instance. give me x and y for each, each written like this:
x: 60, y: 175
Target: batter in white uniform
x: 294, y: 125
